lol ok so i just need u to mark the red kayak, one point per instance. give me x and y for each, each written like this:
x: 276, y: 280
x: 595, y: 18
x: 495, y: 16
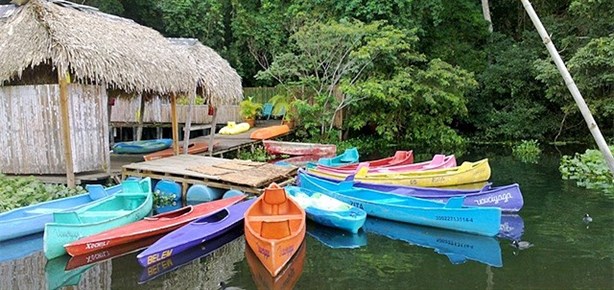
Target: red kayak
x: 399, y: 158
x: 194, y: 148
x: 150, y: 226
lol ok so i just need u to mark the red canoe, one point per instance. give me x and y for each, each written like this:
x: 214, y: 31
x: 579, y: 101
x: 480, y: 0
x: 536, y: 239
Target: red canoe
x: 439, y: 161
x: 150, y: 226
x: 298, y: 148
x: 194, y: 148
x: 269, y: 132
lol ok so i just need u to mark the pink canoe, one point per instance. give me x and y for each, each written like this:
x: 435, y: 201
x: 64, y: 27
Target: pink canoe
x: 439, y: 161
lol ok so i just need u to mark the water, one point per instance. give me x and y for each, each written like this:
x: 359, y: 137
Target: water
x: 567, y: 254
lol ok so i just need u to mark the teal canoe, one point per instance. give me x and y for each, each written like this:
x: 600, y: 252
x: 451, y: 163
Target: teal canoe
x: 349, y: 156
x: 133, y: 203
x: 141, y: 147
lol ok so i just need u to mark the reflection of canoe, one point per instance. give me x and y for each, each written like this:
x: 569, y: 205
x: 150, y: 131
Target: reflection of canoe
x: 132, y: 204
x: 177, y: 261
x: 438, y: 162
x: 109, y: 253
x: 468, y: 172
x: 298, y: 148
x: 274, y: 228
x: 32, y: 219
x: 233, y: 128
x: 458, y: 247
x: 336, y: 239
x: 57, y: 276
x: 512, y: 227
x: 349, y: 156
x: 328, y: 211
x: 269, y: 132
x: 202, y: 229
x: 399, y: 158
x: 450, y: 215
x: 508, y: 198
x: 150, y: 226
x: 286, y: 279
x: 20, y: 247
x: 143, y: 146
x: 194, y: 148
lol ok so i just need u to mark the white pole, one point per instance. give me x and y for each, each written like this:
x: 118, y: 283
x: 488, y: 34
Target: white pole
x: 571, y: 85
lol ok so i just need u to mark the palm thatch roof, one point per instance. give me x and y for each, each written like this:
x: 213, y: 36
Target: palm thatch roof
x: 219, y: 80
x: 95, y: 47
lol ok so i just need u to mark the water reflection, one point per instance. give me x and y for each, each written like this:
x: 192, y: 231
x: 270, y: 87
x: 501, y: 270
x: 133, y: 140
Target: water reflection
x: 20, y: 247
x: 113, y: 252
x: 57, y: 275
x: 512, y: 227
x: 457, y: 246
x: 335, y: 238
x: 286, y: 279
x: 177, y: 261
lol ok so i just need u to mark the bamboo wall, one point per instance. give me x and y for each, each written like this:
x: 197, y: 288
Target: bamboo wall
x: 158, y: 110
x: 31, y: 135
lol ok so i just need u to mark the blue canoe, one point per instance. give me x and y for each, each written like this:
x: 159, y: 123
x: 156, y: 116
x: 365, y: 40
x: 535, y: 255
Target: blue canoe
x: 326, y: 210
x: 31, y: 219
x: 451, y: 215
x: 336, y: 239
x: 458, y: 247
x: 349, y: 156
x: 177, y: 261
x: 143, y: 146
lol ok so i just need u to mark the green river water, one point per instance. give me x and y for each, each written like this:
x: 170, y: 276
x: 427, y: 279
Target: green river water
x: 566, y: 252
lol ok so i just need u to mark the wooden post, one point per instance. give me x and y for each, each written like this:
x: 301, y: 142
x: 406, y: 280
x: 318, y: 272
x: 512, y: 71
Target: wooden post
x: 174, y: 124
x: 212, y: 132
x: 188, y: 123
x: 571, y: 85
x: 63, y: 81
x: 139, y: 128
x: 486, y: 12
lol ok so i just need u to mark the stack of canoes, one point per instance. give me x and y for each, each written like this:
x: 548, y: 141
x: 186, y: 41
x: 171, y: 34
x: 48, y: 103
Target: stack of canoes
x: 274, y: 228
x: 439, y: 161
x: 468, y: 172
x: 400, y: 158
x: 133, y: 203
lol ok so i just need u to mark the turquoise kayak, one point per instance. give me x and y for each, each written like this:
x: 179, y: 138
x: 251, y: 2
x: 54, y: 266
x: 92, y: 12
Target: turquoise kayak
x: 143, y: 146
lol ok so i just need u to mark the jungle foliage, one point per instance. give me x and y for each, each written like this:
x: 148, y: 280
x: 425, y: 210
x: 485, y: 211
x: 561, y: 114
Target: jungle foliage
x: 422, y: 72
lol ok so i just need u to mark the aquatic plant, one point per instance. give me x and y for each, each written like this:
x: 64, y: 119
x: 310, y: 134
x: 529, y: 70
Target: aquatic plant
x: 588, y: 170
x: 527, y: 151
x: 160, y: 199
x: 23, y: 191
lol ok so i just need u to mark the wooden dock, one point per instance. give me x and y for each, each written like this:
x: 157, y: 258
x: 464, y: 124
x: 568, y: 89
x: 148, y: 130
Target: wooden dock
x: 247, y: 176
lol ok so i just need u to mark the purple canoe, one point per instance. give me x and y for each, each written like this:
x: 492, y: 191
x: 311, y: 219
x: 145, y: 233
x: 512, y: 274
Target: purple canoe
x: 508, y: 197
x: 194, y: 233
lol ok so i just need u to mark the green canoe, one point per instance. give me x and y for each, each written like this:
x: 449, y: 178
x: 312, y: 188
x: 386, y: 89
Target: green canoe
x: 133, y: 203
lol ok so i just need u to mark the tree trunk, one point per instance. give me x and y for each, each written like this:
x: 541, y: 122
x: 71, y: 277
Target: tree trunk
x: 486, y: 12
x: 571, y: 85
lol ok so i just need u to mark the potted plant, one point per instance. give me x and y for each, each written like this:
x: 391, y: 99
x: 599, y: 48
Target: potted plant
x: 249, y: 110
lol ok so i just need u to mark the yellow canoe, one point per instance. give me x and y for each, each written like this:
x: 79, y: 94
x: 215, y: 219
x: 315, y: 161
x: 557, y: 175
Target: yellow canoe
x: 233, y: 128
x: 468, y: 172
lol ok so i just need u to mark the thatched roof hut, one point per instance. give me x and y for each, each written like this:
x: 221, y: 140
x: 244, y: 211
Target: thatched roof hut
x: 93, y: 46
x: 218, y: 79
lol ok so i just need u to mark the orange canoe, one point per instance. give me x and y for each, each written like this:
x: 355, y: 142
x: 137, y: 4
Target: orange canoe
x: 274, y: 228
x: 286, y: 279
x: 194, y: 148
x: 269, y: 132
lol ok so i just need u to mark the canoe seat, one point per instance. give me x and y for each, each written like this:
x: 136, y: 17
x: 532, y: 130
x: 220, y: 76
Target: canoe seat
x: 275, y: 202
x: 268, y: 218
x: 275, y: 230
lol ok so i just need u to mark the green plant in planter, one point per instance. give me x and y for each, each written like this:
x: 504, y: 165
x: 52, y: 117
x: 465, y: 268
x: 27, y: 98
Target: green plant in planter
x: 249, y: 108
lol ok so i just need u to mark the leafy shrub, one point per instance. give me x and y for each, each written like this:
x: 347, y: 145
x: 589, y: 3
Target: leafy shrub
x: 588, y: 170
x: 527, y: 151
x: 259, y: 154
x: 23, y: 191
x: 160, y: 199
